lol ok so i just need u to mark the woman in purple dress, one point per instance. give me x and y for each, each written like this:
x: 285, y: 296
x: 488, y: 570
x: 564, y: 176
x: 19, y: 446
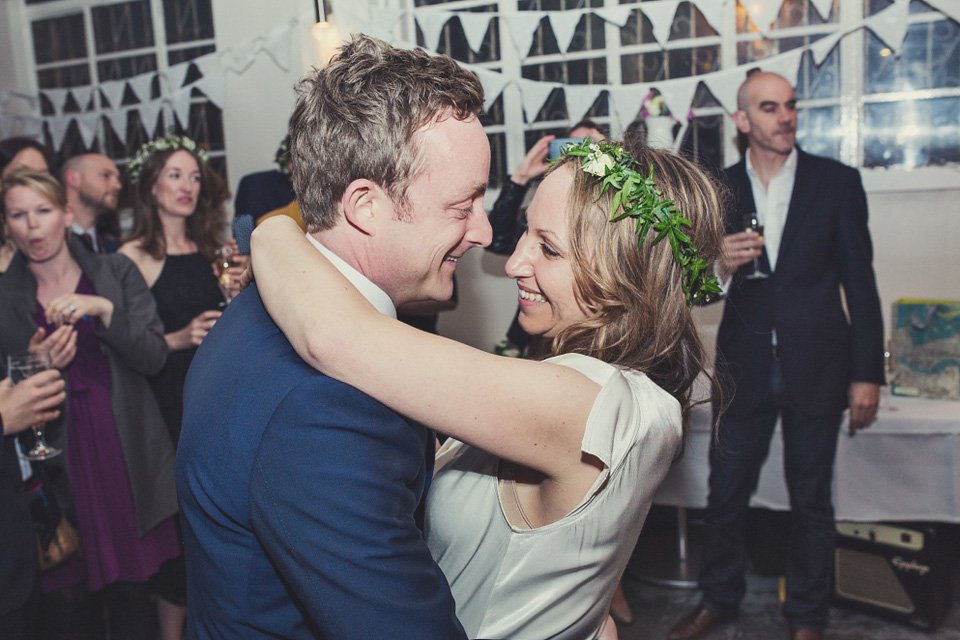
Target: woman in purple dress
x: 95, y: 317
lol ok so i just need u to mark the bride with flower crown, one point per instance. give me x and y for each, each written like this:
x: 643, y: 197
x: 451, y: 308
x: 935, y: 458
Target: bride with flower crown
x: 540, y: 494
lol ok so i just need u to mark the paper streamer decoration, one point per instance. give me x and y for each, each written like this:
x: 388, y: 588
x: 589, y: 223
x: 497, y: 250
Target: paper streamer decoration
x: 522, y: 26
x: 149, y: 113
x: 580, y: 97
x: 724, y: 86
x: 786, y: 64
x: 493, y: 85
x: 175, y: 75
x: 277, y: 45
x: 431, y: 24
x: 713, y: 10
x: 534, y: 95
x: 626, y: 100
x: 381, y: 22
x: 141, y: 85
x: 245, y: 54
x: 564, y: 25
x: 118, y: 122
x: 660, y: 15
x: 891, y: 25
x: 475, y: 27
x: 113, y: 92
x: 211, y: 83
x: 57, y: 126
x: 180, y: 103
x: 88, y: 123
x: 618, y: 15
x: 82, y: 95
x: 58, y: 98
x: 762, y: 14
x: 823, y: 7
x: 822, y: 47
x: 678, y: 94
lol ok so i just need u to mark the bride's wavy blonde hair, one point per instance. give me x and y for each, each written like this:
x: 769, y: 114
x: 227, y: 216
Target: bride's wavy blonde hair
x: 639, y: 314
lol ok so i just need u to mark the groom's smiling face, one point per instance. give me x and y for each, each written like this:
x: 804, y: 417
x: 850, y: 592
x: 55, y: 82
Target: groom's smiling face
x: 444, y: 216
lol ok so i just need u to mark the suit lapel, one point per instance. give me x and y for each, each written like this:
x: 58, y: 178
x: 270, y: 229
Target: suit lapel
x: 800, y: 201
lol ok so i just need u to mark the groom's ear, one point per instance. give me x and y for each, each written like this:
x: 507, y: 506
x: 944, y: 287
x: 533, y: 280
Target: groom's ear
x: 365, y: 204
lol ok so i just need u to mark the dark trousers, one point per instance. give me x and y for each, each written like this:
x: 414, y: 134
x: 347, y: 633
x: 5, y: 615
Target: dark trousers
x: 736, y: 456
x: 21, y: 623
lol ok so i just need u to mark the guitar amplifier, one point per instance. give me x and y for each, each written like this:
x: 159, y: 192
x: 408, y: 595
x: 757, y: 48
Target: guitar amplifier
x: 902, y: 571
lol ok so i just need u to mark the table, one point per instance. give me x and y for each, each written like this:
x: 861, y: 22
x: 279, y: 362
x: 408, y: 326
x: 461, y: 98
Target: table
x: 906, y: 466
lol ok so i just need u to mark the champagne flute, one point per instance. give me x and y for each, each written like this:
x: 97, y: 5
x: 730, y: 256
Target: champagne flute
x: 752, y: 223
x: 225, y: 260
x: 21, y: 366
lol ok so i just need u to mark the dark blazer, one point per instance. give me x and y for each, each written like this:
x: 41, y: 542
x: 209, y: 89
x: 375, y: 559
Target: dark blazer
x: 262, y: 192
x: 135, y: 348
x: 18, y: 546
x: 298, y: 495
x: 825, y: 247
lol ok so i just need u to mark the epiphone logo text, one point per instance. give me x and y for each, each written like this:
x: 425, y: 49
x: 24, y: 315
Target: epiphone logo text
x: 911, y: 565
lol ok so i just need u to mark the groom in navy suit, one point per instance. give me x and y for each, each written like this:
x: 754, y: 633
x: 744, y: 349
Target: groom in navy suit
x: 802, y: 344
x: 299, y: 494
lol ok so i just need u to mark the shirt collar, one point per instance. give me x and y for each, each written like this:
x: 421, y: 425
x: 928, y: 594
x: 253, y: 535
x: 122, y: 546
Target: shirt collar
x: 374, y: 294
x: 789, y: 166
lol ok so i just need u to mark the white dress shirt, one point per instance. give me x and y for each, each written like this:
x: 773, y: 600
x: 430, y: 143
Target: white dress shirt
x: 374, y: 294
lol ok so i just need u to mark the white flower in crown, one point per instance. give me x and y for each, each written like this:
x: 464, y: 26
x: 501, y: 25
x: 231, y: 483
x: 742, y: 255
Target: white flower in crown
x: 598, y: 162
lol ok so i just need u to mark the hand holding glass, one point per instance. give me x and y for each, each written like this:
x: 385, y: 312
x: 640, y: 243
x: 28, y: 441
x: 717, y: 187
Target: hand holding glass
x: 225, y: 260
x: 21, y: 366
x: 752, y: 223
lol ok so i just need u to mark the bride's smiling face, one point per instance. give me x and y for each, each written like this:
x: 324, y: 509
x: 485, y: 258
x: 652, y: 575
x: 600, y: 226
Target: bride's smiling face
x: 541, y: 262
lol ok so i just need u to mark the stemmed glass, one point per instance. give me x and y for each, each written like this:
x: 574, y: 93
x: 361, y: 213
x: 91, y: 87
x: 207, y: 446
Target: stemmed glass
x: 752, y: 223
x: 21, y: 366
x: 225, y: 260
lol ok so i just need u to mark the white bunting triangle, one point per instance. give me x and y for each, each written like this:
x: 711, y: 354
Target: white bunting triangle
x: 149, y: 113
x: 890, y: 25
x: 475, y: 26
x: 660, y: 15
x: 823, y: 8
x: 564, y: 25
x: 431, y: 25
x: 949, y: 8
x: 118, y: 122
x: 522, y: 26
x: 618, y: 15
x: 245, y: 53
x: 58, y: 130
x: 175, y: 76
x: 534, y: 94
x: 180, y: 103
x: 88, y: 124
x: 212, y: 82
x: 82, y: 96
x: 580, y: 97
x: 141, y: 85
x: 277, y: 45
x: 493, y: 85
x: 786, y: 65
x: 113, y: 92
x: 713, y: 11
x: 58, y: 98
x: 822, y: 47
x: 762, y: 14
x: 724, y: 86
x: 678, y: 94
x: 625, y: 101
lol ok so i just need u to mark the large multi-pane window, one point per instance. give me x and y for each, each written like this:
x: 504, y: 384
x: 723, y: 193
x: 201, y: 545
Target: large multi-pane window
x: 861, y: 103
x: 82, y: 44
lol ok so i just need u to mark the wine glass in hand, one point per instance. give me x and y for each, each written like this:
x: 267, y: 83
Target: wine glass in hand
x: 21, y: 366
x: 752, y: 223
x: 225, y: 260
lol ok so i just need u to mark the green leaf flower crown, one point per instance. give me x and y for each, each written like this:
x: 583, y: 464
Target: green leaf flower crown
x: 174, y: 143
x: 636, y: 196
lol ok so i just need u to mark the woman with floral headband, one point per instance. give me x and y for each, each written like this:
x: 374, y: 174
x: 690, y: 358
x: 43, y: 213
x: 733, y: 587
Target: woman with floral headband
x: 536, y: 506
x: 178, y: 221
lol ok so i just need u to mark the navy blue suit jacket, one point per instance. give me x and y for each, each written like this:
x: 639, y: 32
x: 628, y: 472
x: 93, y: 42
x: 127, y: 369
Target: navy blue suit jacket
x: 825, y: 247
x: 298, y: 496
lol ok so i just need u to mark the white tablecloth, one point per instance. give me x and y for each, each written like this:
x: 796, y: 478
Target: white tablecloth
x: 904, y: 467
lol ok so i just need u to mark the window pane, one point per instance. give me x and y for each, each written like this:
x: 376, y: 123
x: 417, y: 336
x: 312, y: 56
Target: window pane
x: 819, y: 132
x: 121, y: 27
x: 818, y: 82
x: 912, y: 133
x: 188, y: 20
x: 59, y: 38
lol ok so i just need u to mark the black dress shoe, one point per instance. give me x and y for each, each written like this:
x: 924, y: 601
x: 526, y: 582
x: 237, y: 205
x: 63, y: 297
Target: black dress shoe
x: 697, y: 624
x: 806, y: 634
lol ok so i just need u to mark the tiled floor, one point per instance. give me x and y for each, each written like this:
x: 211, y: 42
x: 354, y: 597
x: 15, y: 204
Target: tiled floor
x: 657, y: 608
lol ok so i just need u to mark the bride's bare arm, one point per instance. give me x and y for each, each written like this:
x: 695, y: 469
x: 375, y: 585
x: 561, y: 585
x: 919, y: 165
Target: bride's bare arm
x: 531, y: 413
